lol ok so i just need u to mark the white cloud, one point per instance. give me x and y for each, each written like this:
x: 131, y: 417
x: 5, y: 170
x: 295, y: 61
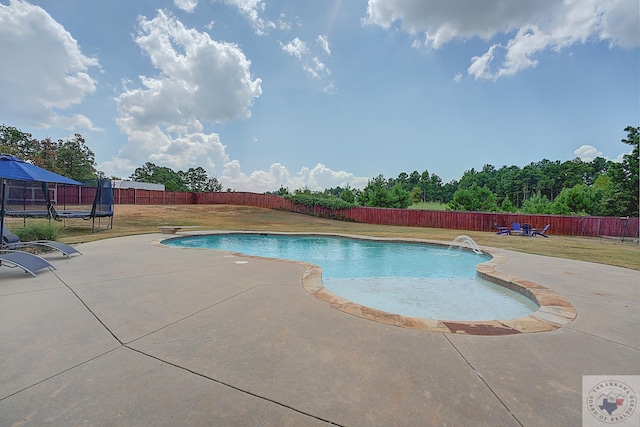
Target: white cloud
x: 480, y: 65
x: 199, y: 77
x: 44, y: 70
x: 315, y: 179
x: 199, y: 80
x: 330, y: 88
x: 311, y: 63
x: 620, y: 24
x: 252, y: 9
x: 283, y: 24
x: 178, y: 153
x: 316, y: 68
x: 71, y: 122
x: 533, y: 26
x: 186, y: 5
x: 620, y: 157
x: 324, y: 42
x: 587, y: 153
x: 295, y: 47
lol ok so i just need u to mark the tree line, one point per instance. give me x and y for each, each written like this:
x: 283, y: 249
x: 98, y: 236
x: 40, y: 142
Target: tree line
x: 575, y: 187
x: 71, y: 157
x: 74, y: 159
x: 600, y: 187
x: 194, y: 179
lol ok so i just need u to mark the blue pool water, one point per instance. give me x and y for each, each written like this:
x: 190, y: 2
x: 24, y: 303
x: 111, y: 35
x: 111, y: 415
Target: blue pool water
x: 410, y: 279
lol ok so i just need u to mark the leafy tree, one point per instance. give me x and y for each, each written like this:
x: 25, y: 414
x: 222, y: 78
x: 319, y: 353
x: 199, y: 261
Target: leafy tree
x: 196, y: 180
x: 48, y: 156
x: 574, y: 172
x: 402, y: 180
x: 416, y: 195
x: 448, y: 190
x: 577, y: 200
x: 434, y: 191
x: 75, y: 160
x: 507, y: 206
x: 348, y: 195
x: 529, y: 177
x: 213, y: 185
x: 414, y: 179
x: 303, y: 190
x: 474, y: 198
x: 375, y: 194
x: 624, y: 178
x: 538, y: 204
x: 595, y: 169
x: 17, y: 143
x: 604, y: 197
x: 171, y: 180
x: 508, y: 185
x: 144, y: 173
x: 152, y: 173
x: 469, y: 177
x: 282, y: 191
x: 384, y: 194
x: 400, y: 198
x: 549, y: 180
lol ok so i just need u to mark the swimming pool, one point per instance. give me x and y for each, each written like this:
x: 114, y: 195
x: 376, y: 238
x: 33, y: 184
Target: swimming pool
x: 410, y: 279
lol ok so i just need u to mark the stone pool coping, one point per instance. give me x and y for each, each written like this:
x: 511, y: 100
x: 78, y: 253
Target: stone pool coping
x: 554, y: 310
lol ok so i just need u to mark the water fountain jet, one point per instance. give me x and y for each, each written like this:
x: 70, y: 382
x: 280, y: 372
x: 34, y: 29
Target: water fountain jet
x: 465, y: 241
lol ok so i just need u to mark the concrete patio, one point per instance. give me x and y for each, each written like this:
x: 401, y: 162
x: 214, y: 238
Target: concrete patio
x: 138, y: 334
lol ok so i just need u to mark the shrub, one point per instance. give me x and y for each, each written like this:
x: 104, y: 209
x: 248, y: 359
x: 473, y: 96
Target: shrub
x: 474, y: 198
x: 312, y: 200
x: 38, y: 231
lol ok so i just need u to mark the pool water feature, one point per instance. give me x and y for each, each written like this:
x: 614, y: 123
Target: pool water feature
x: 409, y: 279
x: 465, y: 241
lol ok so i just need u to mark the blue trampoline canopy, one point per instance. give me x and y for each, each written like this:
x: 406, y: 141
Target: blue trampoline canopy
x: 17, y: 169
x: 14, y: 168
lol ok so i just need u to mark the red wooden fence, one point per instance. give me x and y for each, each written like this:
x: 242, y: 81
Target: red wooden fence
x: 473, y: 221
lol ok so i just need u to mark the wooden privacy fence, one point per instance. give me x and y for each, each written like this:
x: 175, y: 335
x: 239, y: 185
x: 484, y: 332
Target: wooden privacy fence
x: 484, y: 221
x: 74, y: 195
x: 131, y: 196
x: 472, y: 221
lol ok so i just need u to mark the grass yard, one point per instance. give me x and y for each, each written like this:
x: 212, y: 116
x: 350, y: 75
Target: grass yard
x: 429, y: 206
x: 139, y: 219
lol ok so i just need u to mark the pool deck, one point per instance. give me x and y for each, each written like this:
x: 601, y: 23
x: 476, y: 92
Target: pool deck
x: 134, y: 333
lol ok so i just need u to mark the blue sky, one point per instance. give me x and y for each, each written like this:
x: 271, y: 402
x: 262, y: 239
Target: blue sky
x: 322, y: 93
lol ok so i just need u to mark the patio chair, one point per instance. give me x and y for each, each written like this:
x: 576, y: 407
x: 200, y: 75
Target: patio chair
x: 536, y: 232
x: 30, y: 263
x: 11, y: 241
x: 526, y: 230
x: 502, y: 230
x: 515, y: 228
